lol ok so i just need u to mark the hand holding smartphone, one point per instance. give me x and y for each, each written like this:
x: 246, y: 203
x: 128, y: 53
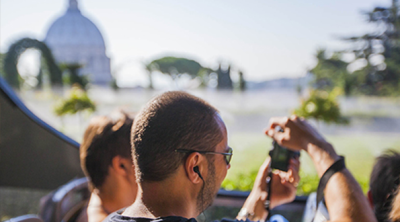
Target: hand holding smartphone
x: 280, y: 156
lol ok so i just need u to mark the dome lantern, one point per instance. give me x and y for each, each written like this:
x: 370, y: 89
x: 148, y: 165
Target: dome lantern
x: 73, y: 5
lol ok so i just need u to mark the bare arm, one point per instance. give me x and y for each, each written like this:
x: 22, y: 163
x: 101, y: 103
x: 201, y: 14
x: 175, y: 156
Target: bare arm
x: 344, y: 198
x: 254, y: 208
x: 283, y: 190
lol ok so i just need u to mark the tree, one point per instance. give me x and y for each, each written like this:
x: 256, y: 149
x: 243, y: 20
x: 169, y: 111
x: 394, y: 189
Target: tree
x: 149, y: 68
x: 73, y: 74
x: 381, y: 52
x: 76, y: 102
x: 331, y: 72
x: 176, y: 67
x: 14, y: 52
x: 2, y: 56
x: 242, y: 81
x: 322, y: 106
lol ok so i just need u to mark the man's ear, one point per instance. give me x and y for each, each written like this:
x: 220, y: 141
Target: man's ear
x: 370, y: 199
x: 121, y: 165
x: 193, y: 161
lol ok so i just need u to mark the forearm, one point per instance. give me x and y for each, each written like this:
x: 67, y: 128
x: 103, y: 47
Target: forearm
x: 323, y: 156
x: 282, y: 188
x: 345, y: 200
x: 343, y: 195
x: 254, y: 208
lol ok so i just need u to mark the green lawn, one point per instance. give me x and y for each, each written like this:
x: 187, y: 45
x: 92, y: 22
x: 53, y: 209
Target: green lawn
x: 250, y: 150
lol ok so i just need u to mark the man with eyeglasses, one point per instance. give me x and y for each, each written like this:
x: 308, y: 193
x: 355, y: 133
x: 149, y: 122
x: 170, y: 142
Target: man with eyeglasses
x: 181, y: 157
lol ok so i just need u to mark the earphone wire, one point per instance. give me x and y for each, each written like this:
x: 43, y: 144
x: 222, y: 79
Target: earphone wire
x: 202, y: 197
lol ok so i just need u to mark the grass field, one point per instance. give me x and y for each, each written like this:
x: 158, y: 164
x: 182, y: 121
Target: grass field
x: 250, y: 150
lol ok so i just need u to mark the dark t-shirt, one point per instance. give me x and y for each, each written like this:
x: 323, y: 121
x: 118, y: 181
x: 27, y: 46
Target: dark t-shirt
x: 117, y: 217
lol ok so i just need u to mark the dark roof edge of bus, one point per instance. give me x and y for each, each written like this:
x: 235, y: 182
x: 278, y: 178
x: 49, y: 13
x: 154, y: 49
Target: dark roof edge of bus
x: 16, y: 101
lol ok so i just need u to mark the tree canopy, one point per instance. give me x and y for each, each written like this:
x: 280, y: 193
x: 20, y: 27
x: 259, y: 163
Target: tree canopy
x: 77, y: 101
x: 2, y: 56
x: 14, y: 52
x: 175, y: 67
x: 322, y: 106
x: 379, y: 51
x: 331, y: 72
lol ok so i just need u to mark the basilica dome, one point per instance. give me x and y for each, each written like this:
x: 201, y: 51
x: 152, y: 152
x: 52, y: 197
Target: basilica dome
x: 74, y: 39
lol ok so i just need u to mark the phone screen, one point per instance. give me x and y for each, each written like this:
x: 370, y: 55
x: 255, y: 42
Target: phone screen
x: 279, y: 157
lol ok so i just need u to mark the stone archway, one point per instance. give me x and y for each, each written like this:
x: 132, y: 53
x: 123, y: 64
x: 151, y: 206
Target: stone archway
x: 14, y: 52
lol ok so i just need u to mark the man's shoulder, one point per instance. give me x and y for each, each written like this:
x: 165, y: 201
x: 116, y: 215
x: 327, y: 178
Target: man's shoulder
x: 118, y: 217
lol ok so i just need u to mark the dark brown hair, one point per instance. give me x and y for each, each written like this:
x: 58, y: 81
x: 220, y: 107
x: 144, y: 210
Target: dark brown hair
x: 104, y: 139
x: 385, y: 179
x: 173, y: 120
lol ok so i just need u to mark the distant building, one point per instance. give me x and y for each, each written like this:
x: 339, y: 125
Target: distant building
x: 73, y: 39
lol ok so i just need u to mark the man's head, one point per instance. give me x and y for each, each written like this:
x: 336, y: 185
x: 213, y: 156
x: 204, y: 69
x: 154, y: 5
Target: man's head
x: 385, y: 178
x: 174, y: 122
x: 106, y: 144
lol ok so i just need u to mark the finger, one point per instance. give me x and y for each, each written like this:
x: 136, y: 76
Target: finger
x: 279, y: 137
x: 277, y: 121
x: 293, y: 171
x: 295, y: 162
x: 285, y: 180
x: 281, y: 176
x: 285, y: 176
x: 291, y: 181
x: 294, y: 168
x: 294, y: 175
x: 277, y: 178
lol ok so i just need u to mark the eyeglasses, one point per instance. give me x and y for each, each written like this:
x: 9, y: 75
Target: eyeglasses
x: 228, y: 155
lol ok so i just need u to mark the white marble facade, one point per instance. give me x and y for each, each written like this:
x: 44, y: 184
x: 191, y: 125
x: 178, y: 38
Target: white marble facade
x: 73, y: 38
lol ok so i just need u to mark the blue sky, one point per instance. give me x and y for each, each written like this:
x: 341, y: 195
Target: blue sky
x: 266, y: 39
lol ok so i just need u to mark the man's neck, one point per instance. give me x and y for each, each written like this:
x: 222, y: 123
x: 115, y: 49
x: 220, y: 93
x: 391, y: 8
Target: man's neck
x: 162, y: 199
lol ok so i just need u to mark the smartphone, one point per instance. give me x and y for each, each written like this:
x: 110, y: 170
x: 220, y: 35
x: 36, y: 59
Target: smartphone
x: 280, y: 156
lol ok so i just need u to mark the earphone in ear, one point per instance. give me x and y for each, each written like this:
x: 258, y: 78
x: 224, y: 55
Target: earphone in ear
x: 196, y: 170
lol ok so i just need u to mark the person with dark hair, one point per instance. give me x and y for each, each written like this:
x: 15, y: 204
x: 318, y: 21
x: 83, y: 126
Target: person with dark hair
x: 181, y: 156
x: 106, y: 160
x: 384, y: 180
